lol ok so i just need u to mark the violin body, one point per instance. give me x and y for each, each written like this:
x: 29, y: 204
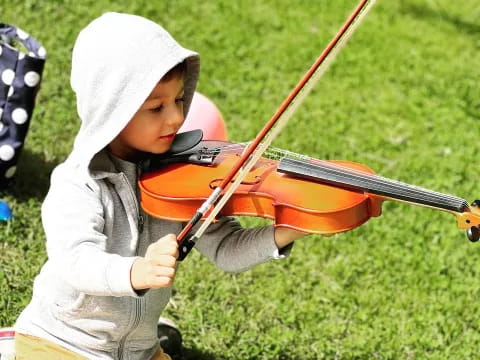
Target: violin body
x: 175, y: 191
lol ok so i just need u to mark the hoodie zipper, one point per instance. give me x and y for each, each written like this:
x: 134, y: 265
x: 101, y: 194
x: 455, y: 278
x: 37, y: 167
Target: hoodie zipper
x: 137, y: 308
x: 136, y: 320
x: 133, y: 195
x: 141, y: 219
x: 141, y: 223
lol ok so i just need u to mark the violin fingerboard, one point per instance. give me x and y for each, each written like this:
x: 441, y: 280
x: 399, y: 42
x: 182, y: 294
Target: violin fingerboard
x: 344, y: 177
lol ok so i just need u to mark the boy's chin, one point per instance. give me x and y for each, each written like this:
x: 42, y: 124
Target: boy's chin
x: 157, y: 149
x: 154, y: 151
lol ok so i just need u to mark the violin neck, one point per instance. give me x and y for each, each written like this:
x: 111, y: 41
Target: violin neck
x: 351, y: 179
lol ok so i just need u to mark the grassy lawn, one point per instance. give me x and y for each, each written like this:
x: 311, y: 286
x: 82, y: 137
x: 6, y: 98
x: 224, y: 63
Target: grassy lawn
x: 402, y: 97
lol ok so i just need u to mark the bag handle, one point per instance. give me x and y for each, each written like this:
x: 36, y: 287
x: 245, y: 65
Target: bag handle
x: 9, y: 33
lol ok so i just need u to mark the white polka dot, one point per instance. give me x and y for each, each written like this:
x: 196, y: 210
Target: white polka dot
x: 32, y: 78
x: 7, y: 152
x: 10, y: 172
x: 31, y: 54
x: 7, y: 76
x: 10, y: 91
x: 21, y: 55
x: 1, y: 112
x: 19, y: 116
x: 22, y: 34
x: 1, y: 127
x: 42, y: 52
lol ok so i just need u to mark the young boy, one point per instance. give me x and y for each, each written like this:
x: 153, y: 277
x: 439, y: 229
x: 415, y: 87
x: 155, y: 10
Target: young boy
x: 110, y: 266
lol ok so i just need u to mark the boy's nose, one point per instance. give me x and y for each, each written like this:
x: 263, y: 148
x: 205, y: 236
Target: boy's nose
x: 175, y: 117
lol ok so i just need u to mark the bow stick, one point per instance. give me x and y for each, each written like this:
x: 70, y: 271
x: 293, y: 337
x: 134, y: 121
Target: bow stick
x: 267, y: 134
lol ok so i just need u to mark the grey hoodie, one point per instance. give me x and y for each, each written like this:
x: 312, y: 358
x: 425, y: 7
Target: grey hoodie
x: 95, y: 228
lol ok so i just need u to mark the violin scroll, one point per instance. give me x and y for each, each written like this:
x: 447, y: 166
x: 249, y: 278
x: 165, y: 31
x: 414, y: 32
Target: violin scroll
x: 473, y: 232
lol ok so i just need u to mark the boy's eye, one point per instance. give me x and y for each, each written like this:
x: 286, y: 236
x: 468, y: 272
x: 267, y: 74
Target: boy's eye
x: 157, y: 109
x: 180, y: 99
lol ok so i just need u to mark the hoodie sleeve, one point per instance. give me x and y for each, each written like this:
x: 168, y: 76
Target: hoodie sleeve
x: 73, y: 220
x: 234, y: 249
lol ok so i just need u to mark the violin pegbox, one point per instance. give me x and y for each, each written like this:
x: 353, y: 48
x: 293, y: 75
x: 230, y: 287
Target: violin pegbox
x: 473, y: 232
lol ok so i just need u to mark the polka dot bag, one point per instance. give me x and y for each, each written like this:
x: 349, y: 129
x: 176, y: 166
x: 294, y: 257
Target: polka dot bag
x: 22, y: 60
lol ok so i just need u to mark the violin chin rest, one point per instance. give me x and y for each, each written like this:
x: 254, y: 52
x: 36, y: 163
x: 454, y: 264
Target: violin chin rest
x: 182, y: 143
x: 185, y: 141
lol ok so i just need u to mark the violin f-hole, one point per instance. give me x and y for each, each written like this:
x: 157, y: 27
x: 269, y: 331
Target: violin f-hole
x: 215, y: 183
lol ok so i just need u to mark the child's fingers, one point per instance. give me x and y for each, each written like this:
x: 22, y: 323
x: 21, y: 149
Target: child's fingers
x: 153, y: 272
x: 167, y: 245
x: 167, y: 239
x: 161, y: 276
x: 161, y: 281
x: 164, y: 271
x: 163, y: 249
x: 163, y: 260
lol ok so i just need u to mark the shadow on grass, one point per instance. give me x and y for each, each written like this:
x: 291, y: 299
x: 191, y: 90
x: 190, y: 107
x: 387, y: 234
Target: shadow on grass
x: 32, y: 179
x: 426, y: 12
x: 195, y: 354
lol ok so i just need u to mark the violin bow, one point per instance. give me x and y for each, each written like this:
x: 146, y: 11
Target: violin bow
x: 215, y: 202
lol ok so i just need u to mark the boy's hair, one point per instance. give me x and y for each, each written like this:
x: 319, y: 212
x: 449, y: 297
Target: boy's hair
x: 178, y: 70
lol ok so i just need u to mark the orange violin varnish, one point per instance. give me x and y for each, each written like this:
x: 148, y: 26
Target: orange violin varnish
x: 176, y: 191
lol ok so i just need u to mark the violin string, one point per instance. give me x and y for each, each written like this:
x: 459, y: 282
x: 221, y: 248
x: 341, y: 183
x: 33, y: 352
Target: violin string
x: 379, y: 180
x: 271, y: 153
x: 398, y: 185
x: 392, y: 192
x: 278, y: 154
x: 386, y: 185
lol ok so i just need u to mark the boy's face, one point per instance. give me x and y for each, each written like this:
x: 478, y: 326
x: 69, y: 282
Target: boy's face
x: 155, y: 124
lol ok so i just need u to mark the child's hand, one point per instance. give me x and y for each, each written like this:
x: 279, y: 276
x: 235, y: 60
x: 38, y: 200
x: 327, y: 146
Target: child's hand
x: 284, y: 236
x: 157, y: 268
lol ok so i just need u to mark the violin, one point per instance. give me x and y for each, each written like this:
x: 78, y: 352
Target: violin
x: 199, y: 180
x: 294, y: 191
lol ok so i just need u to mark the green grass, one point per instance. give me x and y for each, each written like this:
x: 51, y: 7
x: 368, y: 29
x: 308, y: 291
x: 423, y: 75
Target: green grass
x: 403, y: 97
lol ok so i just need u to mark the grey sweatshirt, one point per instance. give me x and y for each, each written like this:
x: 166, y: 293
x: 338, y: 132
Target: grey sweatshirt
x: 94, y: 226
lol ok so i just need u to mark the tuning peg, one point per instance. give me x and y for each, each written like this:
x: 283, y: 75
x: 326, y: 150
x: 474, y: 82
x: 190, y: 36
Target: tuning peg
x: 476, y: 203
x: 473, y: 233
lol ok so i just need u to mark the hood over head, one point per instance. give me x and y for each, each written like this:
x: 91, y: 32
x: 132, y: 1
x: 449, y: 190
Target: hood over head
x: 117, y: 61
